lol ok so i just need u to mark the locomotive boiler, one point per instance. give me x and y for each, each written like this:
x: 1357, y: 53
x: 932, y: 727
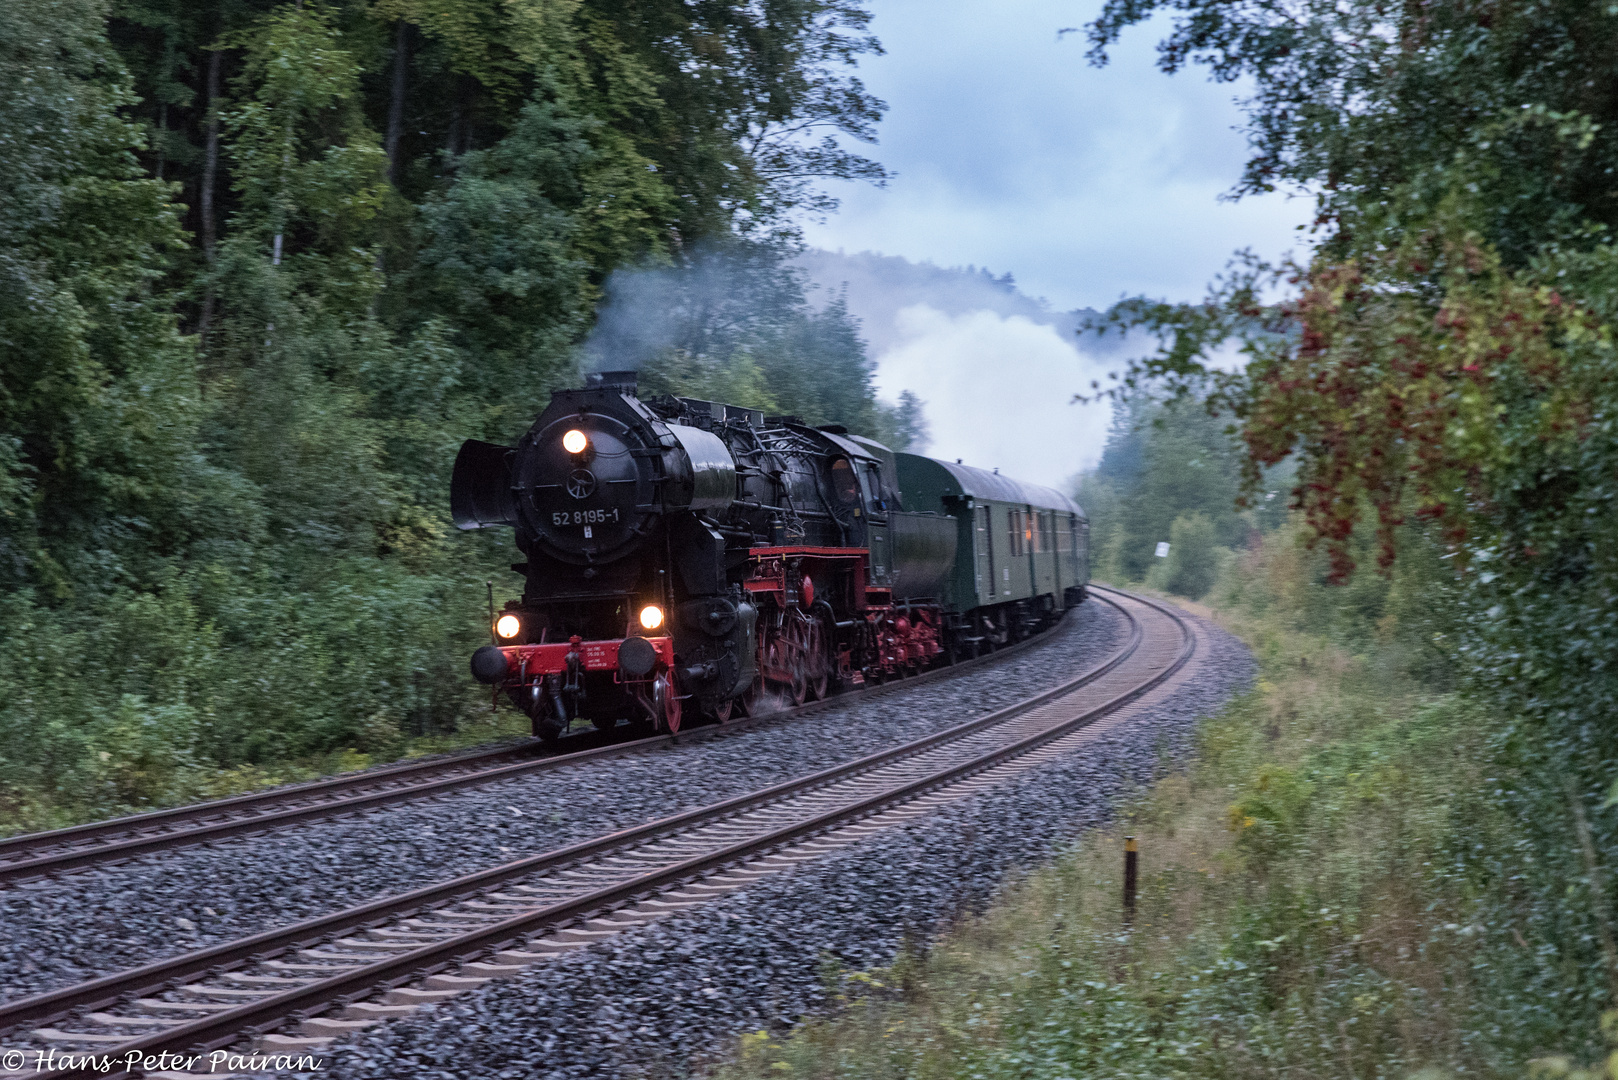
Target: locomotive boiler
x: 687, y: 555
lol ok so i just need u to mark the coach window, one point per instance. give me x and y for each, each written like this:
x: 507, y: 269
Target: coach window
x: 985, y: 548
x: 844, y: 483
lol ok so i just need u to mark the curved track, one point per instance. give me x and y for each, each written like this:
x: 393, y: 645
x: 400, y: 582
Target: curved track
x: 316, y: 977
x: 80, y: 847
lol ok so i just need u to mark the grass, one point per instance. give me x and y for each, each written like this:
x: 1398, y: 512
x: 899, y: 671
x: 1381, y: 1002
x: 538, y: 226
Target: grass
x: 22, y: 814
x: 504, y: 726
x: 1299, y: 911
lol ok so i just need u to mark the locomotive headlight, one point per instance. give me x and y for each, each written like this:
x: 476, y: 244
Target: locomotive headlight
x: 651, y: 616
x: 508, y: 626
x: 575, y: 441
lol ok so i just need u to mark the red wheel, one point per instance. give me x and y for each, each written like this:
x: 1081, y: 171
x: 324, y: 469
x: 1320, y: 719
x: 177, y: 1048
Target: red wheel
x: 671, y: 714
x: 818, y: 662
x: 671, y: 702
x: 787, y: 658
x: 721, y: 712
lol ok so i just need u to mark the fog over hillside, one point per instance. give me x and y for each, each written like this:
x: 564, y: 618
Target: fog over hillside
x: 997, y: 368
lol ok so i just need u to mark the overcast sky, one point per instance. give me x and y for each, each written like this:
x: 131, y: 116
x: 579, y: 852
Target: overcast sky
x: 1087, y: 184
x: 1013, y: 153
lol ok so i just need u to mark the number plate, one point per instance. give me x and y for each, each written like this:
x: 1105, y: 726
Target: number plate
x: 561, y: 518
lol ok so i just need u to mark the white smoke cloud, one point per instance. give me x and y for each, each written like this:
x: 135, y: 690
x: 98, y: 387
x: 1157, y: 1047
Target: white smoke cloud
x: 998, y: 391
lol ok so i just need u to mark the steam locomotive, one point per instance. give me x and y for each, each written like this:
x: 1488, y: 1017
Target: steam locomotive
x: 685, y: 555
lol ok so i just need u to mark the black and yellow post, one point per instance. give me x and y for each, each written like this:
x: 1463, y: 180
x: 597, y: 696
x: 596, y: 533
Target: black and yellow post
x: 1131, y: 873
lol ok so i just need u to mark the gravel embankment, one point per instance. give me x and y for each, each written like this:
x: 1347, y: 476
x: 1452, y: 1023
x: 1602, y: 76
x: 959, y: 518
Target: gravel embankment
x: 108, y: 920
x: 671, y: 998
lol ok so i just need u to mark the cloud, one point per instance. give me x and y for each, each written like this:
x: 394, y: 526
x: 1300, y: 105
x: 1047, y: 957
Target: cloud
x: 1013, y: 153
x: 998, y: 391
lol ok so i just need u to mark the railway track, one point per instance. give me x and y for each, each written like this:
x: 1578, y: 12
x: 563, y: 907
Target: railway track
x: 33, y: 856
x: 293, y: 989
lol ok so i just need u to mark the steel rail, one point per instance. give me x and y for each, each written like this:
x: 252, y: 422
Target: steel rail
x: 129, y: 823
x: 187, y: 826
x: 224, y: 1028
x: 154, y: 977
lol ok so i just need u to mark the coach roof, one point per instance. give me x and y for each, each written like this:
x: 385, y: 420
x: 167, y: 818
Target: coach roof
x: 946, y: 478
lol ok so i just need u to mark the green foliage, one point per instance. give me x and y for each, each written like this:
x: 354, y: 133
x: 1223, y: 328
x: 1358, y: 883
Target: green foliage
x: 98, y: 399
x: 1447, y: 356
x: 473, y: 34
x: 502, y: 265
x: 736, y: 379
x: 1163, y: 462
x: 222, y: 679
x: 224, y: 541
x: 1357, y: 102
x: 735, y: 320
x: 903, y: 426
x: 302, y: 154
x: 1305, y: 904
x: 1193, y: 560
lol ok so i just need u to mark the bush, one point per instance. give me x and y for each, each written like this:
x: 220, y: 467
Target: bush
x: 1194, y: 555
x: 225, y: 680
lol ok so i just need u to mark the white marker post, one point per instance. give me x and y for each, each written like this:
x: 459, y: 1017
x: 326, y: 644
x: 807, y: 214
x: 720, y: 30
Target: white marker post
x: 1162, y: 549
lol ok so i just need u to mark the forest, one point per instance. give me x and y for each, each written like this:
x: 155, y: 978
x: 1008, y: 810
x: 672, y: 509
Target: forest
x: 265, y: 264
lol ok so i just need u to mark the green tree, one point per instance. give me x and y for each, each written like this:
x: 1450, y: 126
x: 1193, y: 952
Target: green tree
x: 903, y: 426
x: 735, y: 318
x: 308, y: 171
x: 98, y: 399
x: 1356, y: 102
x: 1192, y: 565
x: 502, y: 263
x: 1447, y: 357
x: 1162, y: 461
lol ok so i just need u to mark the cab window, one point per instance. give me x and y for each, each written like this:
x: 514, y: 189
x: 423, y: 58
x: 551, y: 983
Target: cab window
x: 873, y: 484
x: 844, y: 484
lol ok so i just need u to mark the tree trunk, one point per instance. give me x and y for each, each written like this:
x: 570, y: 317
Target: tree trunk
x: 162, y: 136
x: 210, y: 175
x: 460, y: 117
x: 454, y: 137
x: 401, y: 69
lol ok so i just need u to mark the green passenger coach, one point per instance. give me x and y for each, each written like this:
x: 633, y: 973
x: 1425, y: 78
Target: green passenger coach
x: 1021, y: 551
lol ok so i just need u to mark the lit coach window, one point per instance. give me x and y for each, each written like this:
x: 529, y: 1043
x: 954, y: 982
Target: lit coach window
x: 574, y: 442
x: 651, y: 616
x: 507, y: 626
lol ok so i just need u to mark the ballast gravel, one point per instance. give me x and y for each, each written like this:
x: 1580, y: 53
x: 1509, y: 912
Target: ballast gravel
x: 670, y: 999
x: 96, y: 923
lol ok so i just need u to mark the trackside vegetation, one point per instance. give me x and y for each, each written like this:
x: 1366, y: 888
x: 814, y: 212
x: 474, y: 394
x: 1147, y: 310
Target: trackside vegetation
x: 1331, y: 888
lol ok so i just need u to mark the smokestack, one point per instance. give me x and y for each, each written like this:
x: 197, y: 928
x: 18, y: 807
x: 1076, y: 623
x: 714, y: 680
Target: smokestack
x: 624, y: 382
